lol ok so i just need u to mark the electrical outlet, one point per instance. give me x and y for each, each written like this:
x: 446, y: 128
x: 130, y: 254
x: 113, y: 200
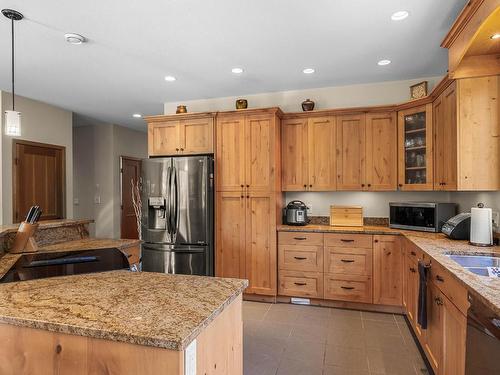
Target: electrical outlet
x: 76, y: 201
x: 496, y: 219
x: 309, y: 208
x: 97, y: 199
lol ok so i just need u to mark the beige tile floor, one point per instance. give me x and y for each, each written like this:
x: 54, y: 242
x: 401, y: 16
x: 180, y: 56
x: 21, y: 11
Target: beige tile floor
x: 285, y: 339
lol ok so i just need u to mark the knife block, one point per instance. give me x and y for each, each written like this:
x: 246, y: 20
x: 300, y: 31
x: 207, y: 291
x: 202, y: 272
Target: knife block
x: 24, y: 242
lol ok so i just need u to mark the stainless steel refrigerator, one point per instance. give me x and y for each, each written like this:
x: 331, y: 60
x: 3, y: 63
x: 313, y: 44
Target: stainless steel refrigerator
x: 178, y: 215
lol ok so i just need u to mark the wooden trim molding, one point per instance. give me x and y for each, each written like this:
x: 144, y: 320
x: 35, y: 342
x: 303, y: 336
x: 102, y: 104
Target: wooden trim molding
x: 179, y: 116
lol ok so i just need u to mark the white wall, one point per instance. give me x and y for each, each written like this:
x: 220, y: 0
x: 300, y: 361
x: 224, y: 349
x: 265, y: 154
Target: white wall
x: 97, y: 172
x: 392, y: 92
x: 40, y: 123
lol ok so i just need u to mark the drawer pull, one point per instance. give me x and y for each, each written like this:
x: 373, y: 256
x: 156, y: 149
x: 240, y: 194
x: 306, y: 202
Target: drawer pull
x: 300, y: 238
x: 300, y: 258
x: 344, y: 240
x: 439, y: 278
x: 347, y: 260
x: 413, y: 253
x: 347, y: 287
x: 300, y: 284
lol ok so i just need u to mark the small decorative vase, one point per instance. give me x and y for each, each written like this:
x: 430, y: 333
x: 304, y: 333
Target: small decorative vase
x: 181, y: 109
x: 307, y: 105
x: 241, y: 104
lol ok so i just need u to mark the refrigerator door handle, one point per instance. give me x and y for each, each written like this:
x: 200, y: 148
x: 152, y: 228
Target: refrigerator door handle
x: 176, y: 200
x: 168, y: 203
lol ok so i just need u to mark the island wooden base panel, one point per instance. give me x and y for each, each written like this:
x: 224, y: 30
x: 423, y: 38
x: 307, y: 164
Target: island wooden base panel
x: 30, y: 351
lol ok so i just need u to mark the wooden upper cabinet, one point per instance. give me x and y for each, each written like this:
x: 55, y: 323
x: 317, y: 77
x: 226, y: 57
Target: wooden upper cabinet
x: 164, y: 138
x: 186, y: 134
x: 230, y: 153
x: 387, y: 270
x: 445, y: 139
x: 294, y: 148
x: 415, y: 145
x: 321, y: 153
x: 351, y: 152
x: 381, y: 151
x: 197, y: 136
x: 248, y: 151
x: 261, y: 158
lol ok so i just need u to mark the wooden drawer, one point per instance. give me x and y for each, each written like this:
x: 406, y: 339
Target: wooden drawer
x: 300, y: 258
x: 348, y: 288
x: 349, y: 240
x: 300, y: 284
x: 450, y: 287
x: 300, y: 238
x: 412, y: 251
x: 351, y: 261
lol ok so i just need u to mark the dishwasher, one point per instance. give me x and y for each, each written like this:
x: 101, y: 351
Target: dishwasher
x: 483, y: 339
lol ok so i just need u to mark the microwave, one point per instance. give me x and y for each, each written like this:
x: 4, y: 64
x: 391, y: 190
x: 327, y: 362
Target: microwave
x: 421, y: 216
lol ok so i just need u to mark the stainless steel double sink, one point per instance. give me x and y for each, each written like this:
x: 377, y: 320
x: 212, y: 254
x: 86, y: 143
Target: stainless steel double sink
x: 480, y: 264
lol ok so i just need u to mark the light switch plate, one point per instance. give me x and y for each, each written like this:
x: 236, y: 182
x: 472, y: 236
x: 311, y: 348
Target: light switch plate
x: 190, y: 359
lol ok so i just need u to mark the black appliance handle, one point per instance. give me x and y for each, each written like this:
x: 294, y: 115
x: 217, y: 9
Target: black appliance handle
x: 60, y: 261
x: 168, y: 201
x: 302, y: 204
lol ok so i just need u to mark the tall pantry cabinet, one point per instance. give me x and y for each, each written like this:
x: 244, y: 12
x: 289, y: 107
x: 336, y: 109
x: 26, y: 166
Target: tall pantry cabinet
x: 248, y: 198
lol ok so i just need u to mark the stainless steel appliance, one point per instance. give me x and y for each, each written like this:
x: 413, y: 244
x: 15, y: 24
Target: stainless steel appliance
x: 295, y: 213
x: 421, y: 216
x: 458, y: 227
x: 483, y: 339
x: 178, y: 215
x: 42, y: 265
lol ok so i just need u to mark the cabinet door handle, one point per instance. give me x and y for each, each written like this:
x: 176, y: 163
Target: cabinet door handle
x: 347, y: 287
x: 344, y: 240
x: 242, y: 185
x: 389, y: 253
x: 182, y: 149
x: 248, y: 186
x: 438, y: 301
x: 300, y: 238
x: 305, y: 186
x: 300, y: 284
x: 439, y: 278
x: 413, y: 253
x: 362, y: 185
x: 310, y: 186
x: 369, y: 185
x: 400, y: 185
x: 176, y: 149
x: 347, y: 260
x: 300, y: 258
x: 413, y: 269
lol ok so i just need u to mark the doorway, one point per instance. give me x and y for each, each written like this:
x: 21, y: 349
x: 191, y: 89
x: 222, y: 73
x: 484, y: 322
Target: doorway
x: 130, y: 170
x: 38, y: 178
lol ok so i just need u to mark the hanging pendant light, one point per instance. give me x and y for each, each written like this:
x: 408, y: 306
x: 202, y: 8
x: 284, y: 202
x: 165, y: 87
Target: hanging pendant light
x: 12, y: 117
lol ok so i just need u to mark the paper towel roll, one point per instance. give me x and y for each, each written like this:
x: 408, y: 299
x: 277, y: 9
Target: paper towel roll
x: 481, y: 230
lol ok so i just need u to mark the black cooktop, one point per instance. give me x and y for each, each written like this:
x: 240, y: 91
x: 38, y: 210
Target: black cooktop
x: 42, y: 265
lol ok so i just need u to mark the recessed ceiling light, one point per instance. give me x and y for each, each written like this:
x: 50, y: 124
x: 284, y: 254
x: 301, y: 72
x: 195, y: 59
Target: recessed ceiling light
x: 384, y: 62
x: 137, y: 115
x: 237, y: 70
x: 400, y: 15
x: 170, y: 78
x: 74, y: 38
x: 495, y: 36
x: 308, y: 71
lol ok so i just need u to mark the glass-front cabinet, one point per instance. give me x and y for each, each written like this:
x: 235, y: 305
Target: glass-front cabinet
x: 415, y: 148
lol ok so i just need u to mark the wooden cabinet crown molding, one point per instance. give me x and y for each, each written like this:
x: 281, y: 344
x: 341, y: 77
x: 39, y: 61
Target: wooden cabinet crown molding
x: 252, y: 111
x: 179, y: 116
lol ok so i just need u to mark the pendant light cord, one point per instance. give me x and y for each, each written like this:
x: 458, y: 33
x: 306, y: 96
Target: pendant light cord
x: 13, y: 87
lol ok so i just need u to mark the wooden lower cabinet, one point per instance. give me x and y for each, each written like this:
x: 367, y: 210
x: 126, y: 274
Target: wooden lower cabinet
x: 387, y: 270
x: 301, y: 284
x: 348, y: 288
x: 434, y: 331
x: 246, y: 239
x: 454, y: 328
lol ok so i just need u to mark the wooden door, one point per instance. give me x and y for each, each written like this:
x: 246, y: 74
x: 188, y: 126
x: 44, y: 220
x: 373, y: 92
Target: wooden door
x: 350, y: 152
x: 387, y: 270
x: 450, y: 154
x: 260, y: 160
x: 454, y: 336
x: 381, y: 151
x: 321, y: 147
x: 230, y: 235
x: 164, y: 138
x: 197, y: 136
x: 130, y: 170
x: 230, y: 153
x: 38, y: 175
x: 294, y: 154
x: 415, y: 149
x: 261, y: 253
x: 404, y: 248
x: 412, y: 291
x: 434, y: 334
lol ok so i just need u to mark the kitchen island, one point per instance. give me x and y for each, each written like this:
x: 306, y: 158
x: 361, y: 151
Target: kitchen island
x: 122, y: 322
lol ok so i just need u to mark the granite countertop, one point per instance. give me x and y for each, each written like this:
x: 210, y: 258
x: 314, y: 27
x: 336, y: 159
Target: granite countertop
x: 153, y: 309
x: 8, y: 260
x: 436, y: 245
x: 11, y: 228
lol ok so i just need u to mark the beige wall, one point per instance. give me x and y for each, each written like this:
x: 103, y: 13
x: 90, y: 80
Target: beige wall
x: 327, y: 97
x: 44, y: 123
x: 98, y: 148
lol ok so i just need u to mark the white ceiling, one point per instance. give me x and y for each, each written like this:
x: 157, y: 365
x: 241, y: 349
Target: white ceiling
x: 133, y: 44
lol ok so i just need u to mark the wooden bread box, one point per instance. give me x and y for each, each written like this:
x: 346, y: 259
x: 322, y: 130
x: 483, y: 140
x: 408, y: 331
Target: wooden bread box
x: 346, y: 216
